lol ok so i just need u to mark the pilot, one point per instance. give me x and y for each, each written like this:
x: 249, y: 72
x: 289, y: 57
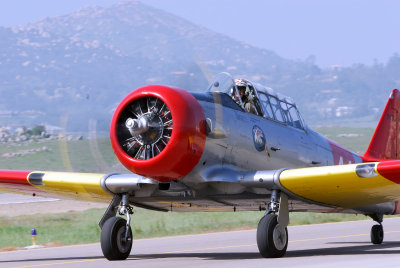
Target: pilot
x: 244, y: 91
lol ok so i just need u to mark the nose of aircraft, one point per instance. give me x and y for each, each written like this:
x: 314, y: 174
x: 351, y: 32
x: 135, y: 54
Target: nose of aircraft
x: 158, y: 132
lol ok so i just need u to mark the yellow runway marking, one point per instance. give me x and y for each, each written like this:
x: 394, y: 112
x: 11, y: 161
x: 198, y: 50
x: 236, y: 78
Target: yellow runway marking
x: 57, y: 263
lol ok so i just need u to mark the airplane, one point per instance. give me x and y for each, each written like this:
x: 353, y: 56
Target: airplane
x: 205, y: 151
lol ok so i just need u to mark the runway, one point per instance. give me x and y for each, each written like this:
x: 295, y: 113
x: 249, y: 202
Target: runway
x: 344, y: 244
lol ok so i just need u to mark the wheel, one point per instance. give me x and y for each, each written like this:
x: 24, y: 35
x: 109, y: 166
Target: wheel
x: 377, y: 234
x: 112, y: 240
x: 272, y: 239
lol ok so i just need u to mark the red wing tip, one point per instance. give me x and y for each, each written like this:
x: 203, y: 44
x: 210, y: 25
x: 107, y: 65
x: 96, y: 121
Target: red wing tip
x: 14, y: 176
x: 390, y: 170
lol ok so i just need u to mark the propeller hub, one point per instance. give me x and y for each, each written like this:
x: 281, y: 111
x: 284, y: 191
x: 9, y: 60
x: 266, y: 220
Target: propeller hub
x: 137, y: 126
x: 147, y: 130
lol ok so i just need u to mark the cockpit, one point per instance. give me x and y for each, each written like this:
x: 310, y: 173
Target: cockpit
x: 258, y: 100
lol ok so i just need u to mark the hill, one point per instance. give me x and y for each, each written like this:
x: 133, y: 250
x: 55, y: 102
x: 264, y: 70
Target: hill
x: 72, y: 70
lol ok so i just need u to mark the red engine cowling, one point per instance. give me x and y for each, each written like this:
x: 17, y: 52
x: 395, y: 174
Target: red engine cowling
x: 158, y: 132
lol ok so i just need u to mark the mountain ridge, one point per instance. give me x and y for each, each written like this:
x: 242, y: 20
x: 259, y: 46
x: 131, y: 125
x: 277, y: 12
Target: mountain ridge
x: 80, y: 65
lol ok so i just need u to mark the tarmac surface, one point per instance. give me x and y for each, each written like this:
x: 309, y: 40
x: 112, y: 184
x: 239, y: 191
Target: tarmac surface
x: 345, y: 244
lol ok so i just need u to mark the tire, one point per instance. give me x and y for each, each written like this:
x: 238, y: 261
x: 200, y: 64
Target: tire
x: 112, y: 243
x: 377, y: 234
x: 272, y: 240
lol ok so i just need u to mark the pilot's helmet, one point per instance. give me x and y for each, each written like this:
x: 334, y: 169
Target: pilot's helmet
x: 241, y: 84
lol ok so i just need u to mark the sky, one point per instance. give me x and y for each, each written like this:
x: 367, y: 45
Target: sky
x: 333, y: 32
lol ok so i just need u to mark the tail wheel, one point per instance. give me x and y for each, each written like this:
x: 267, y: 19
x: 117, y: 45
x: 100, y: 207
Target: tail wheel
x: 113, y: 242
x: 377, y: 234
x: 155, y: 123
x: 272, y: 239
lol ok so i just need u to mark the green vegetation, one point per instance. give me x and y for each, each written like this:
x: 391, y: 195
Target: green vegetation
x: 82, y: 227
x: 93, y: 155
x: 355, y: 139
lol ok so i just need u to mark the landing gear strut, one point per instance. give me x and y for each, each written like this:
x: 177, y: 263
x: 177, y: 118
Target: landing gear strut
x: 116, y: 233
x: 272, y: 234
x: 377, y: 230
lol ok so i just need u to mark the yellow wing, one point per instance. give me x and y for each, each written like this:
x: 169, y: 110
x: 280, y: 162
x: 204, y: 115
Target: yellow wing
x: 346, y: 186
x: 84, y: 186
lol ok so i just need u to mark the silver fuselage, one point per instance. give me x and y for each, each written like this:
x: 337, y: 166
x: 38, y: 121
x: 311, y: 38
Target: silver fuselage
x: 230, y: 148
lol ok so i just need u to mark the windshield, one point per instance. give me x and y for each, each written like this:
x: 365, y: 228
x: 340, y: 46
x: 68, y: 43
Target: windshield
x: 224, y: 83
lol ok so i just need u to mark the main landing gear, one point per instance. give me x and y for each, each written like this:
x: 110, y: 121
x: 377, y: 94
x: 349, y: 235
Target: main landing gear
x: 272, y: 234
x: 377, y: 229
x: 116, y: 233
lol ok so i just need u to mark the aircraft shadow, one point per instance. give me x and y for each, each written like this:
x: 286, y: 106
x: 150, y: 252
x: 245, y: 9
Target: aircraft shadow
x: 207, y: 255
x: 54, y: 259
x: 368, y: 248
x: 362, y: 248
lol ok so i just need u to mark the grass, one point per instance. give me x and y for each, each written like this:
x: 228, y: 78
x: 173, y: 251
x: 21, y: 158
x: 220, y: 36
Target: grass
x: 78, y: 155
x: 97, y: 156
x: 358, y: 143
x: 82, y: 227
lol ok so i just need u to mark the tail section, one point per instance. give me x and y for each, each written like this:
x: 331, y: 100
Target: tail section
x: 385, y: 143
